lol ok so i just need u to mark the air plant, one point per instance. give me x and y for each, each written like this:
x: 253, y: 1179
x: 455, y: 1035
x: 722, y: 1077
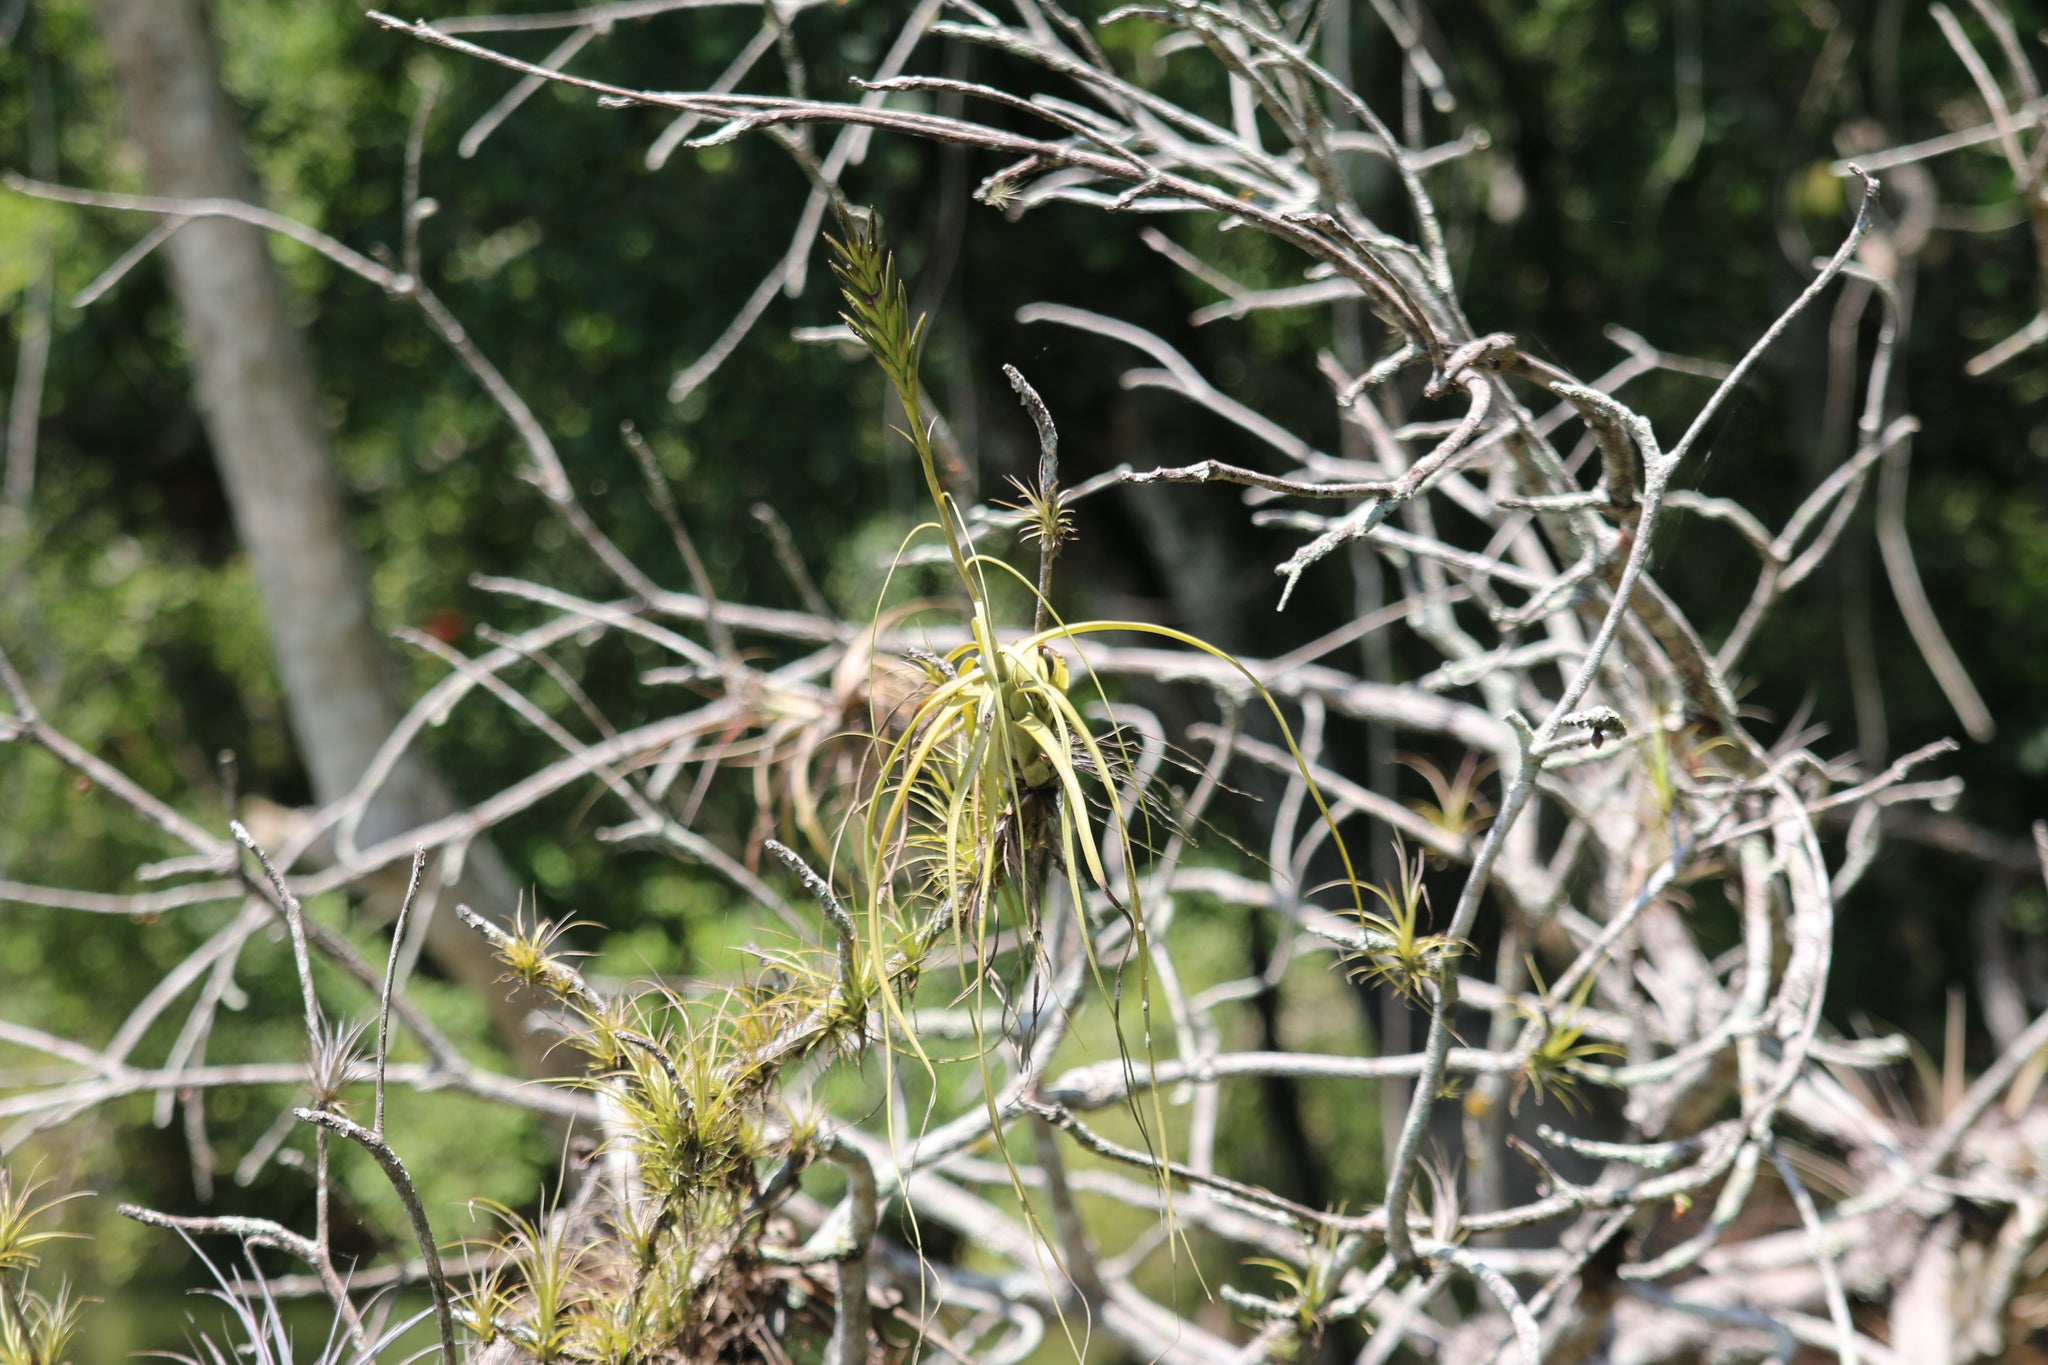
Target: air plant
x: 985, y: 782
x: 1446, y: 1205
x: 486, y: 1309
x: 18, y: 1217
x: 37, y: 1330
x: 689, y: 1089
x: 1553, y: 1066
x: 995, y: 782
x: 1672, y: 754
x: 987, y: 769
x: 608, y: 1330
x: 34, y: 1329
x: 1458, y: 810
x: 533, y: 957
x: 262, y: 1337
x: 1406, y: 958
x: 539, y: 1252
x: 334, y: 1060
x: 1308, y: 1291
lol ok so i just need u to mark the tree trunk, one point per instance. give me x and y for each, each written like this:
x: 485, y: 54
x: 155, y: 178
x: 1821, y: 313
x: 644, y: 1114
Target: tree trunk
x: 259, y: 401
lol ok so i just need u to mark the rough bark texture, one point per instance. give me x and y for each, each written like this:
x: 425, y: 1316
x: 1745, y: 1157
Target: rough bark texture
x: 260, y: 404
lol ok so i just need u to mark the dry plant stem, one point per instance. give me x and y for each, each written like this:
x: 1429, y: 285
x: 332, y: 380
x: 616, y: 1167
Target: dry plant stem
x: 659, y: 151
x: 1252, y: 1198
x: 2018, y: 1241
x: 1401, y: 818
x: 346, y: 819
x: 849, y: 1345
x: 791, y: 561
x: 1098, y: 1085
x: 397, y: 1275
x: 1528, y: 1333
x: 1397, y: 1318
x: 413, y: 210
x: 323, y: 1227
x: 1077, y: 1252
x: 1862, y: 791
x: 686, y: 545
x: 1184, y: 377
x: 18, y: 479
x: 547, y: 664
x: 2026, y: 169
x: 135, y: 904
x: 68, y: 1099
x: 845, y: 935
x: 1657, y: 470
x: 746, y: 113
x: 1983, y: 1092
x: 181, y: 211
x: 1215, y: 471
x: 1048, y: 486
x: 1834, y: 266
x: 1540, y: 1302
x: 1838, y: 1302
x: 28, y: 724
x: 423, y: 1232
x: 789, y: 275
x: 1897, y: 552
x: 412, y: 892
x: 473, y: 140
x: 295, y: 923
x: 2026, y: 116
x: 599, y: 15
x: 649, y: 819
x: 547, y: 471
x: 262, y: 1232
x: 445, y: 1056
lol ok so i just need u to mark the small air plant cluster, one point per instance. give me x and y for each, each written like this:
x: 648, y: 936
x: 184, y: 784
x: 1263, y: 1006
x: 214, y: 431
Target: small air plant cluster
x: 1557, y: 1062
x: 1401, y: 953
x: 258, y: 1331
x: 673, y: 1257
x: 36, y: 1328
